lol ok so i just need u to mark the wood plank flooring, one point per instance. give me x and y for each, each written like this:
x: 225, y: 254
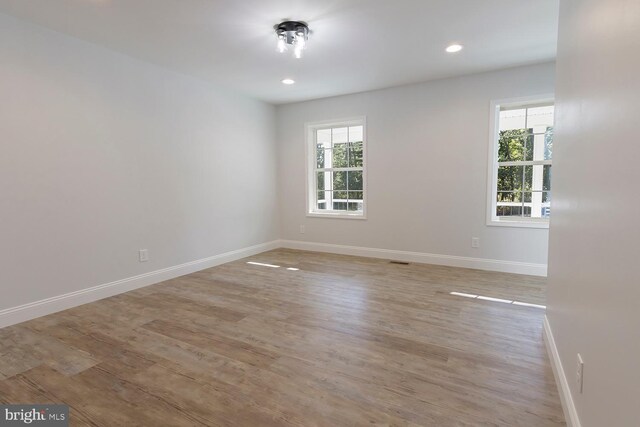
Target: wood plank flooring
x: 341, y: 341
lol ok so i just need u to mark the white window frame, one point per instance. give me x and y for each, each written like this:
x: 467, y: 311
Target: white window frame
x: 310, y: 152
x: 492, y: 180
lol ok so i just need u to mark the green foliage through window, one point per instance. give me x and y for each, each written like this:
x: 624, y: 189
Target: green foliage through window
x: 516, y: 184
x: 339, y: 159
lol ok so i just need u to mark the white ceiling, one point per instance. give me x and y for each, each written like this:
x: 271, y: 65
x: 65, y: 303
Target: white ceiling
x: 355, y: 45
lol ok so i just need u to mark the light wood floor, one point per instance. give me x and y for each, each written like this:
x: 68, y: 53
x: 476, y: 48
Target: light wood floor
x: 343, y: 341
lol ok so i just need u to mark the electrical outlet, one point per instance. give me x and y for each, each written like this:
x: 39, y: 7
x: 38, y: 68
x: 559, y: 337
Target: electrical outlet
x: 580, y: 373
x: 302, y: 229
x: 475, y: 242
x: 143, y: 255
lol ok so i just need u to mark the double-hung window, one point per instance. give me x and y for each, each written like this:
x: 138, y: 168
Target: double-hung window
x: 520, y: 163
x: 336, y: 169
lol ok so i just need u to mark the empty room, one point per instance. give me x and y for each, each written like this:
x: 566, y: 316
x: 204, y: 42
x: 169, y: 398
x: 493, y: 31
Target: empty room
x: 319, y: 213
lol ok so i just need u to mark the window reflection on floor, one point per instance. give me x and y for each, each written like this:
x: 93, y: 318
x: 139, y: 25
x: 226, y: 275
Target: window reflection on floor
x: 263, y: 264
x: 504, y: 301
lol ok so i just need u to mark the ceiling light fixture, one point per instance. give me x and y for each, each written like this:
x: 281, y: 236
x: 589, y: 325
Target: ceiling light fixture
x: 454, y: 48
x: 288, y: 81
x: 292, y: 33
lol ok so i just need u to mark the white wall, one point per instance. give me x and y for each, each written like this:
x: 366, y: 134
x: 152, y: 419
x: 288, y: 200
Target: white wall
x: 594, y: 270
x: 427, y: 167
x: 101, y: 154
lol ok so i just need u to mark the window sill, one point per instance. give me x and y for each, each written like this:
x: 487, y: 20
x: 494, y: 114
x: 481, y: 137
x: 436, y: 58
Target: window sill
x: 544, y: 224
x: 335, y: 215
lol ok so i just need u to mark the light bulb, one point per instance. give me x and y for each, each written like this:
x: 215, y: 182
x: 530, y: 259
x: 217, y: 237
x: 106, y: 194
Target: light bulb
x: 300, y: 43
x: 282, y: 46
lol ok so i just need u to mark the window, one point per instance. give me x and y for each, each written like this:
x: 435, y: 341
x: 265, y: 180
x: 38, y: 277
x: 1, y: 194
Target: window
x: 336, y: 166
x: 520, y: 163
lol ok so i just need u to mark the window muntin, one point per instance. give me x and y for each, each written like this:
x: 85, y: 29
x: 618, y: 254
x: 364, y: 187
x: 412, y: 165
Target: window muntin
x: 337, y: 175
x: 523, y: 149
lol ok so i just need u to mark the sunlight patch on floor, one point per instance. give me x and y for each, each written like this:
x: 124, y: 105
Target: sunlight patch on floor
x: 501, y: 300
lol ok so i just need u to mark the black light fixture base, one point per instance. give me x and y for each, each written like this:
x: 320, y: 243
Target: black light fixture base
x: 292, y: 26
x: 289, y: 29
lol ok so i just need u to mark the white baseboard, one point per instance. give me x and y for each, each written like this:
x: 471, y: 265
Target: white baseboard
x: 32, y: 310
x: 568, y: 406
x: 420, y: 257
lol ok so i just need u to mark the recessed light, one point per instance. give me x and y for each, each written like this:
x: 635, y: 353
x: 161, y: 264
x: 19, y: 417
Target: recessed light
x: 454, y: 48
x: 288, y: 81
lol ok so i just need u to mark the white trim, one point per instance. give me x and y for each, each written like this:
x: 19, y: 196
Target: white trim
x: 492, y: 172
x: 32, y: 310
x: 421, y: 257
x: 566, y: 399
x: 335, y: 215
x: 310, y: 165
x: 518, y: 223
